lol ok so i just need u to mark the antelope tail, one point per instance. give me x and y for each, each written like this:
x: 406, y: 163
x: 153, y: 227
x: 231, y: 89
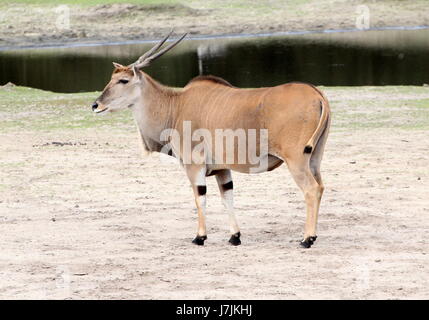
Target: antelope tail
x: 309, y: 147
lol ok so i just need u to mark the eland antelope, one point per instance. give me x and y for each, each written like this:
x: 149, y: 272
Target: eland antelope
x: 294, y: 116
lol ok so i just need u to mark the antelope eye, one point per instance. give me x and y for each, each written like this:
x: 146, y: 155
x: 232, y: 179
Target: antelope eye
x: 124, y: 81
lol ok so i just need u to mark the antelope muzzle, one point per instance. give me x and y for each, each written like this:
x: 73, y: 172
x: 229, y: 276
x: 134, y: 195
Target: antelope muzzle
x: 97, y: 108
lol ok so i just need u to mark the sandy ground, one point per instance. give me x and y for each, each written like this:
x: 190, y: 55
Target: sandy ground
x: 49, y: 24
x: 89, y: 218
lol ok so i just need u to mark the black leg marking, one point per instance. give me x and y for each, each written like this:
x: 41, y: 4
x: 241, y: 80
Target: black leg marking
x: 308, y: 242
x: 227, y: 186
x: 308, y: 149
x: 199, y: 240
x: 235, y: 239
x: 202, y: 190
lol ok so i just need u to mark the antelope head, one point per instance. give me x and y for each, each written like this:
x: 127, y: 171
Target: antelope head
x: 125, y: 86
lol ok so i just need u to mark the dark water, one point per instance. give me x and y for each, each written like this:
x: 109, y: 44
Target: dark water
x: 394, y: 57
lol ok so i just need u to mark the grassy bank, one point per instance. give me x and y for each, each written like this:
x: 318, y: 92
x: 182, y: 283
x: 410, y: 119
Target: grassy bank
x: 90, y: 2
x: 41, y: 22
x: 29, y: 109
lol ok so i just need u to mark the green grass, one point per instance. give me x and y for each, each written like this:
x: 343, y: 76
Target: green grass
x: 32, y: 109
x: 408, y: 114
x: 88, y: 2
x: 403, y: 107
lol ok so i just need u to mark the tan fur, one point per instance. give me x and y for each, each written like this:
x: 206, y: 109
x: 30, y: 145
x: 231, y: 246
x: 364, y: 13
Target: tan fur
x: 296, y: 115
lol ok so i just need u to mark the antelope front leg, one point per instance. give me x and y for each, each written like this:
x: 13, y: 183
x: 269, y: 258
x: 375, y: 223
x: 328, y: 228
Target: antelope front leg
x: 197, y: 177
x: 224, y: 181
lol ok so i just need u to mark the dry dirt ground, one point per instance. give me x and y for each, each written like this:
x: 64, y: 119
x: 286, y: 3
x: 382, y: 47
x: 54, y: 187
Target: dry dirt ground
x: 83, y: 216
x: 43, y: 22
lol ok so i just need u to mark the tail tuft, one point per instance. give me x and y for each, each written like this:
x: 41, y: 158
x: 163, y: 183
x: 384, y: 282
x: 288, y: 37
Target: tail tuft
x: 308, y: 149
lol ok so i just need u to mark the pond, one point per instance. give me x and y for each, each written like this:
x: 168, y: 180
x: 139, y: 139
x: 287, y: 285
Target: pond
x: 388, y: 57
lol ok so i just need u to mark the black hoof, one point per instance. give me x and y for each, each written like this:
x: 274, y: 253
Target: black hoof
x: 199, y: 240
x: 308, y: 242
x: 235, y: 239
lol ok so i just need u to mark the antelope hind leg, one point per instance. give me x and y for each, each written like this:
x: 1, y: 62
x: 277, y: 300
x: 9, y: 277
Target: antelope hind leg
x: 313, y: 191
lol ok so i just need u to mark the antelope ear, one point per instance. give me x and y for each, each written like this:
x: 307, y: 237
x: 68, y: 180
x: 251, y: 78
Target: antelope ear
x: 137, y: 73
x: 117, y: 65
